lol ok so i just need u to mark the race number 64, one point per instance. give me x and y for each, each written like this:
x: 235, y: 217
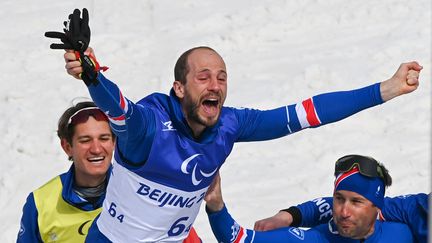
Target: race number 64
x: 113, y: 212
x: 179, y: 227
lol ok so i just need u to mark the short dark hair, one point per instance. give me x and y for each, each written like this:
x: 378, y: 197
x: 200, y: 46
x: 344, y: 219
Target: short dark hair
x: 387, y: 178
x: 181, y: 68
x: 66, y: 131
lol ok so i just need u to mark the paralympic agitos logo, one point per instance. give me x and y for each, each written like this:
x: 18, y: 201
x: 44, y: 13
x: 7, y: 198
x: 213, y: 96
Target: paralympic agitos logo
x: 196, y: 181
x: 80, y: 229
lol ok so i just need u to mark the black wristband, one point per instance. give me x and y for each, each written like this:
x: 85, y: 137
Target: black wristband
x: 296, y: 215
x: 89, y: 74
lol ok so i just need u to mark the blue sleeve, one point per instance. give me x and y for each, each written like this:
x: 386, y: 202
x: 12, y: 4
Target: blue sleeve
x: 321, y: 109
x: 29, y: 229
x: 332, y: 107
x: 133, y: 125
x: 411, y: 210
x: 315, y: 212
x: 226, y: 229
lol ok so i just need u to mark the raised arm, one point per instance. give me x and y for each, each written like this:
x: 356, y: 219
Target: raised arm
x: 131, y: 123
x: 326, y: 108
x: 312, y: 112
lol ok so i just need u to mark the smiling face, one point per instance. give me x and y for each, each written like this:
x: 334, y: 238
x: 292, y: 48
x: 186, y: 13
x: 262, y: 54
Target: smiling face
x: 204, y: 92
x: 91, y: 151
x: 353, y: 214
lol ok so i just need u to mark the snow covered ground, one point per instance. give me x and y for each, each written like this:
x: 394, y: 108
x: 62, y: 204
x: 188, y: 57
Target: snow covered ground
x: 277, y: 52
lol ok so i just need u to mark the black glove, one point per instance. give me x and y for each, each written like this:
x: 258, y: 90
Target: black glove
x: 76, y: 35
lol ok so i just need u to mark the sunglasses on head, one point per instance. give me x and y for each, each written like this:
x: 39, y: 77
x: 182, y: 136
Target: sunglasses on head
x: 367, y: 166
x: 83, y: 115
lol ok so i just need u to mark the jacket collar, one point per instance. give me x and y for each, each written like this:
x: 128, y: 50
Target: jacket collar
x: 71, y: 197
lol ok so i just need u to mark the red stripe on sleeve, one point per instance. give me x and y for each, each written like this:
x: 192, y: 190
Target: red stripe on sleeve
x: 310, y: 112
x: 122, y: 101
x: 239, y: 236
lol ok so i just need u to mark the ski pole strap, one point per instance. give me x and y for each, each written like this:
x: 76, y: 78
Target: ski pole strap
x: 90, y: 67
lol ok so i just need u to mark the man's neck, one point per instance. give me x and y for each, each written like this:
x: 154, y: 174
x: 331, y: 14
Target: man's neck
x: 196, y: 128
x: 369, y: 233
x: 371, y: 230
x: 91, y: 194
x: 89, y: 181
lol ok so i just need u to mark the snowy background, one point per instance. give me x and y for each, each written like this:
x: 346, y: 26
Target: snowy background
x: 277, y: 53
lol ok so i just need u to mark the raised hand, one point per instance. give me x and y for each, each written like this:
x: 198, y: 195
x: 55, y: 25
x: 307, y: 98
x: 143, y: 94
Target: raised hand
x: 404, y: 81
x: 75, y: 35
x: 75, y: 39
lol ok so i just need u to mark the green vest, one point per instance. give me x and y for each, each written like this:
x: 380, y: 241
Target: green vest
x: 59, y: 221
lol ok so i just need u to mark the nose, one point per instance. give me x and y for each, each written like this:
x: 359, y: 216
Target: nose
x: 95, y: 147
x: 345, y: 211
x: 214, y: 85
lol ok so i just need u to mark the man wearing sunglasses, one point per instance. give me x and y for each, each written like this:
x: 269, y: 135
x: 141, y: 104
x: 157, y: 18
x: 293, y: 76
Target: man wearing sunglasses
x: 62, y: 209
x: 409, y: 209
x: 169, y: 147
x: 358, y: 196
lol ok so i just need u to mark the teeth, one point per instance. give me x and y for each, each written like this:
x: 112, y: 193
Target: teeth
x: 212, y: 100
x: 96, y: 158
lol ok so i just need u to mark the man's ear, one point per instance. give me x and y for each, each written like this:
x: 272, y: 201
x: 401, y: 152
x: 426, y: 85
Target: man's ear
x: 67, y: 147
x: 178, y: 89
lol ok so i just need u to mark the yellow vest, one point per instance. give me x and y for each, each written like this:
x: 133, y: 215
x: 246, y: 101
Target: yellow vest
x: 59, y: 221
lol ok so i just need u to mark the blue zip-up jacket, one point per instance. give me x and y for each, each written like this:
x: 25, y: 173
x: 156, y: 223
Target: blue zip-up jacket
x: 408, y: 209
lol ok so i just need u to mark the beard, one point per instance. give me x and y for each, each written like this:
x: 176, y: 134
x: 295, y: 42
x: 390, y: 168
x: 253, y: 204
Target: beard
x: 192, y: 108
x: 346, y: 232
x: 354, y: 231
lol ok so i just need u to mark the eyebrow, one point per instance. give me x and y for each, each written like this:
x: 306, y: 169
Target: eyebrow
x: 89, y: 136
x: 338, y: 194
x: 358, y: 198
x: 208, y: 70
